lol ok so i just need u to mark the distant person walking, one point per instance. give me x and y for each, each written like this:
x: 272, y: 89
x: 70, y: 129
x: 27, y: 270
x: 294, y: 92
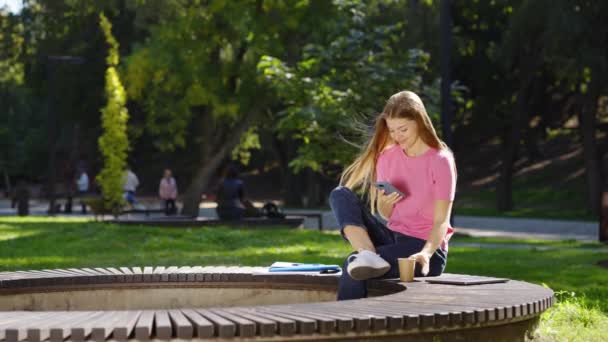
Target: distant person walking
x: 167, y: 190
x: 130, y: 186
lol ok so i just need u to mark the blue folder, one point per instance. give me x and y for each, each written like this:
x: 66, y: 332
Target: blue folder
x: 300, y: 267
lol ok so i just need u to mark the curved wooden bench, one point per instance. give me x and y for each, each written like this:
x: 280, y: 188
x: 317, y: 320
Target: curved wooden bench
x: 417, y: 311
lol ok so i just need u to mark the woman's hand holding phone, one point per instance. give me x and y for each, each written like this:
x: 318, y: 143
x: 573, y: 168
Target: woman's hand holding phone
x: 387, y: 202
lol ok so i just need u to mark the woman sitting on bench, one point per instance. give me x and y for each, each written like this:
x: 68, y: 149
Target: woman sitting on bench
x: 417, y: 176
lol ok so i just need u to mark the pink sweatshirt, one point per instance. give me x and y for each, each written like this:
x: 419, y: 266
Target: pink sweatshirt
x: 424, y: 179
x: 167, y: 188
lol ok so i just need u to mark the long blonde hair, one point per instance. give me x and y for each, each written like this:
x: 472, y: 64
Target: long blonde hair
x: 362, y: 172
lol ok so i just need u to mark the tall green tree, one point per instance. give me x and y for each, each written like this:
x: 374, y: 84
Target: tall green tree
x: 113, y: 143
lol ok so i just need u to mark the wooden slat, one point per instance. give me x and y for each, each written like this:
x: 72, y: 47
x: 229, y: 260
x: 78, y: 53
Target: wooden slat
x: 42, y: 331
x: 59, y: 332
x: 118, y: 275
x: 143, y: 327
x: 129, y: 276
x: 148, y: 272
x: 123, y: 330
x: 223, y: 327
x: 264, y: 326
x: 138, y: 274
x: 244, y: 327
x: 182, y: 327
x: 162, y: 325
x: 104, y: 326
x: 344, y: 322
x: 82, y: 331
x: 182, y: 273
x: 324, y: 324
x: 172, y: 272
x: 202, y: 326
x: 17, y: 331
x: 286, y: 326
x: 304, y: 325
x: 158, y: 272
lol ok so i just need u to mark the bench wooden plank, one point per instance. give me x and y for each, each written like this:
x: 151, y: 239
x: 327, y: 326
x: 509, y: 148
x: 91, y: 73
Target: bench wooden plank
x: 182, y: 327
x: 244, y: 327
x: 82, y: 331
x: 264, y: 326
x: 182, y: 273
x: 202, y: 326
x: 42, y: 331
x: 148, y: 272
x: 104, y: 326
x: 59, y: 332
x: 118, y: 275
x: 223, y: 327
x: 360, y: 322
x: 395, y: 317
x: 143, y: 327
x: 162, y: 325
x: 138, y: 273
x: 304, y: 325
x: 370, y: 319
x: 129, y: 276
x: 158, y: 272
x: 286, y: 326
x: 325, y: 324
x: 344, y: 322
x: 125, y: 328
x: 170, y: 273
x: 17, y: 331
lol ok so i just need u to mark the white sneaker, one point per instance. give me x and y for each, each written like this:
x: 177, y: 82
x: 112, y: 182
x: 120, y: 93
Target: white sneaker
x: 365, y: 265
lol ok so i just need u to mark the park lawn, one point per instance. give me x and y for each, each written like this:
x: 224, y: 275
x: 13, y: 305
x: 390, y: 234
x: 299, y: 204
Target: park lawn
x: 36, y: 243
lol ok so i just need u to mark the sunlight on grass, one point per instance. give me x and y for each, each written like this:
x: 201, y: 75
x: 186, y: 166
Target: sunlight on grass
x: 571, y: 319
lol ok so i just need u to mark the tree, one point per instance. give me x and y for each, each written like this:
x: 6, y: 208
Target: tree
x: 343, y: 79
x: 113, y: 143
x: 199, y: 66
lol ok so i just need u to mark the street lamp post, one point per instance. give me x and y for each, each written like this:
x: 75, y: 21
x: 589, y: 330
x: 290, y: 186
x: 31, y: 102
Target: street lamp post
x: 52, y: 122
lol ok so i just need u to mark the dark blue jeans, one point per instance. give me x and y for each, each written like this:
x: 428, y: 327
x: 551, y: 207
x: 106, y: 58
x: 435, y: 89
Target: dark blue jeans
x: 390, y: 245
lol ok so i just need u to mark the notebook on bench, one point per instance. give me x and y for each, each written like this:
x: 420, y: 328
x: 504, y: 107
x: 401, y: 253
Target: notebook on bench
x: 282, y: 266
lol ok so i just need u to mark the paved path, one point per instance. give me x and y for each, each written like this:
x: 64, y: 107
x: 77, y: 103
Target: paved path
x: 518, y: 228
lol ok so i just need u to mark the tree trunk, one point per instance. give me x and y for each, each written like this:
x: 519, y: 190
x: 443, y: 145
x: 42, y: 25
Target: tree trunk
x: 604, y: 216
x: 511, y: 139
x: 504, y: 198
x: 446, y: 80
x: 587, y: 122
x: 210, y: 163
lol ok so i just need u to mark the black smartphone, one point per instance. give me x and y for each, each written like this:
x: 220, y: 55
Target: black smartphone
x: 388, y: 188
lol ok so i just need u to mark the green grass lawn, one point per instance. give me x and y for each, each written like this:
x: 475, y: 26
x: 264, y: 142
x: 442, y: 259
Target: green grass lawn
x: 35, y: 243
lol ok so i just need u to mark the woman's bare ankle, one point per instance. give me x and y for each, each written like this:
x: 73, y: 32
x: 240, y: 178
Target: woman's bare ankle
x: 358, y: 238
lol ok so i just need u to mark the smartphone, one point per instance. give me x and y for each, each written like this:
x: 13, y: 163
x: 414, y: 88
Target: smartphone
x: 388, y: 188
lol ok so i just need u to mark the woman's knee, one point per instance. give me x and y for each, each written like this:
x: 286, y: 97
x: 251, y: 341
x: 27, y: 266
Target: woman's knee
x: 341, y: 193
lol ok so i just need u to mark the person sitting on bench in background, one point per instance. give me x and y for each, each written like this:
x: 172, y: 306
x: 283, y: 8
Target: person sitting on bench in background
x: 231, y: 202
